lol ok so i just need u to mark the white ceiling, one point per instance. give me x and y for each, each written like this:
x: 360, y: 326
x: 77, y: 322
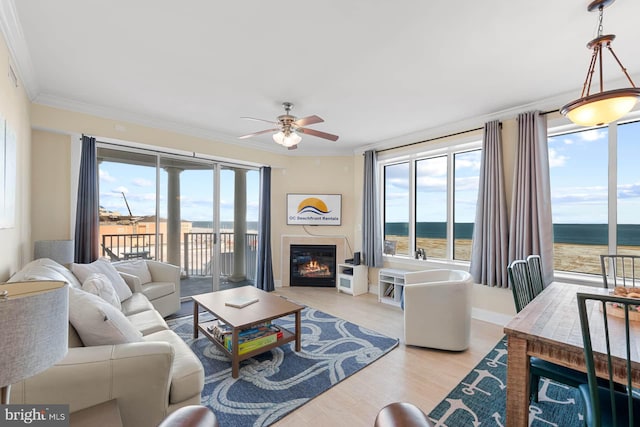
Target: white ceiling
x: 378, y: 72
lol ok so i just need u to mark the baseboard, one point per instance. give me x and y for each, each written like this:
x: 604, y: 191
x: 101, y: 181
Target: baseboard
x: 490, y: 316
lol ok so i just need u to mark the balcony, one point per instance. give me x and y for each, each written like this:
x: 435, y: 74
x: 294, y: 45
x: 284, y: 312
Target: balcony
x: 197, y: 251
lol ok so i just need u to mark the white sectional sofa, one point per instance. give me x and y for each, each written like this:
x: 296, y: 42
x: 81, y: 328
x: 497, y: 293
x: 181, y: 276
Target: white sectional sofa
x: 150, y: 377
x: 161, y: 286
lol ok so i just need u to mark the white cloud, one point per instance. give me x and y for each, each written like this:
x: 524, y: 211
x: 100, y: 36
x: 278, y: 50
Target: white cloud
x: 592, y: 135
x: 556, y: 159
x: 432, y: 167
x: 430, y: 183
x: 467, y: 163
x: 104, y: 176
x: 142, y: 182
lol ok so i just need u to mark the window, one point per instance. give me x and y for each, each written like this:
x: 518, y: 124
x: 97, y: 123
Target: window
x: 430, y: 201
x: 466, y: 183
x: 594, y: 201
x: 431, y: 206
x: 396, y: 206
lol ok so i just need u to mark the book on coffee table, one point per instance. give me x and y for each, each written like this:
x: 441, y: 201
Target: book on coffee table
x: 240, y: 302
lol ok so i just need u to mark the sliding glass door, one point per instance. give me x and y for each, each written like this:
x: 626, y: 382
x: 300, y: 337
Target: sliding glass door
x: 195, y: 213
x: 187, y: 206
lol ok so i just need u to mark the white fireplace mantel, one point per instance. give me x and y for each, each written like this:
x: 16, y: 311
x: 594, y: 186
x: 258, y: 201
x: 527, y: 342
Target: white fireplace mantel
x: 287, y: 241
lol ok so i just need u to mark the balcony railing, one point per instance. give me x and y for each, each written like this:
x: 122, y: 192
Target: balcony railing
x: 197, y: 250
x: 130, y: 246
x: 198, y: 254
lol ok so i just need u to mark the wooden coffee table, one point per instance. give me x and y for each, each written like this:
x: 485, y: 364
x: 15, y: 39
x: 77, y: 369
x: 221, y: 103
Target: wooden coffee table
x: 267, y: 308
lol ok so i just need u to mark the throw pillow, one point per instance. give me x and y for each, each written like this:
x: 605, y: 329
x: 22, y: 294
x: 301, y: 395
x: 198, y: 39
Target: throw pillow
x: 82, y: 271
x: 98, y: 322
x: 136, y: 268
x: 99, y: 284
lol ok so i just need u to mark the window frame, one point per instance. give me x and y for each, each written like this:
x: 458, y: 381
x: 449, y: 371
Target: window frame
x: 412, y: 155
x: 562, y: 126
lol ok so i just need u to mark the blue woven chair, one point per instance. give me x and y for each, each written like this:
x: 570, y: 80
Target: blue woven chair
x: 523, y: 294
x: 607, y: 404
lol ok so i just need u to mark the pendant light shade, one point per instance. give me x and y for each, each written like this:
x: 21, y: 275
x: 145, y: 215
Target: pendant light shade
x: 602, y: 107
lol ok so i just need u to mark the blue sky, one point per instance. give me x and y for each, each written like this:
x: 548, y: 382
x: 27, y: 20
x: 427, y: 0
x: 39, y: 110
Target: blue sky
x: 196, y: 191
x: 431, y: 185
x: 579, y: 167
x: 578, y: 172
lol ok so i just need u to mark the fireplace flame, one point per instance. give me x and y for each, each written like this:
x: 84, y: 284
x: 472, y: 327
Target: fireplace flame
x: 313, y: 267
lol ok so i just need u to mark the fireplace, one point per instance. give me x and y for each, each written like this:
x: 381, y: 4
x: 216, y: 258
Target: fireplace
x: 313, y: 265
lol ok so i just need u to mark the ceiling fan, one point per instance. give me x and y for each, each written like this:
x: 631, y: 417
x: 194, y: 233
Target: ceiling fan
x: 288, y: 128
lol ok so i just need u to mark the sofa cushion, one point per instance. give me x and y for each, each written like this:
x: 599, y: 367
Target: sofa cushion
x: 136, y: 304
x: 99, y: 284
x: 148, y: 322
x: 82, y: 271
x: 155, y: 290
x: 98, y: 322
x: 187, y: 373
x: 136, y: 268
x: 45, y: 269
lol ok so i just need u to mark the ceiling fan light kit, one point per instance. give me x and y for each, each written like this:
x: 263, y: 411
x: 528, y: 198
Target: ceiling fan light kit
x: 602, y: 107
x: 288, y: 128
x: 285, y: 140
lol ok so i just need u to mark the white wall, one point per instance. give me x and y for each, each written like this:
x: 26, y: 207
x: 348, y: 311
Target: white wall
x: 15, y: 242
x: 58, y: 129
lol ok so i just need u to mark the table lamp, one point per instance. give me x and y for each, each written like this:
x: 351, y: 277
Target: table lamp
x: 34, y: 323
x: 61, y: 251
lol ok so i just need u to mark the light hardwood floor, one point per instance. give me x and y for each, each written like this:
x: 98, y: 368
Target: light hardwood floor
x: 410, y: 374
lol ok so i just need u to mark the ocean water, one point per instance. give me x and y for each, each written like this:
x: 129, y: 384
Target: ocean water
x: 584, y: 234
x: 224, y: 225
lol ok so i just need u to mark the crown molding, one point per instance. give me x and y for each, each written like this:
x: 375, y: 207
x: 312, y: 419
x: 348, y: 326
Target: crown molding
x: 180, y: 128
x: 17, y: 45
x: 142, y: 120
x: 547, y: 104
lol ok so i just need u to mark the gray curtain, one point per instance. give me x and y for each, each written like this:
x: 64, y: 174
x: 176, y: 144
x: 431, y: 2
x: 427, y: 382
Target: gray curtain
x: 531, y: 230
x: 87, y: 226
x: 264, y: 273
x: 371, y: 221
x: 489, y: 251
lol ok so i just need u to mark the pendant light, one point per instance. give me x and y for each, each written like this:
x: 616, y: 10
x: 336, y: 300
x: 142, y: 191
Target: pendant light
x: 604, y: 106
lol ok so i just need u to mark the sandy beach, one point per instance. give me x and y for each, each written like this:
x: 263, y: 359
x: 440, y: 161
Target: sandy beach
x: 567, y: 257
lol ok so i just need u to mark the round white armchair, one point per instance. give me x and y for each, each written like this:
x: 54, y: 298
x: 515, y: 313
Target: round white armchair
x: 437, y: 309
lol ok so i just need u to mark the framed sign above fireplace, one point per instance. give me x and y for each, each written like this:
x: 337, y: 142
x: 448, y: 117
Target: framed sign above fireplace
x: 314, y: 209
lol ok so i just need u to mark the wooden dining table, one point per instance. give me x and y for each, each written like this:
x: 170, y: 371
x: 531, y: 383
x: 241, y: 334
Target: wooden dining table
x: 549, y: 328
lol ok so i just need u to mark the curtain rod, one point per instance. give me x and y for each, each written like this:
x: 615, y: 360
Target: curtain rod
x: 544, y: 113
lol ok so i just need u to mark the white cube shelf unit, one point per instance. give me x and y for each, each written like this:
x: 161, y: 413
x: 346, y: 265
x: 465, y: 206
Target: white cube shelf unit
x: 352, y: 279
x: 390, y: 285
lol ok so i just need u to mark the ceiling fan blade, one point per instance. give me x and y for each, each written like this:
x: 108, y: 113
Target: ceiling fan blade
x: 310, y: 120
x: 293, y: 147
x: 318, y: 133
x: 258, y: 133
x: 259, y: 120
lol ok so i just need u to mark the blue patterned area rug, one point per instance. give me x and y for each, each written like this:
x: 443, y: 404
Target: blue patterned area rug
x: 480, y: 399
x: 277, y: 382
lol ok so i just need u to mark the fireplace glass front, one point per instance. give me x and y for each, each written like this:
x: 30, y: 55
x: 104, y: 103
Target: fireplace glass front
x: 313, y: 265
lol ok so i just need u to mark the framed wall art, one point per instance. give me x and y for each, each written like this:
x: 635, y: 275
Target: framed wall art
x: 314, y: 209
